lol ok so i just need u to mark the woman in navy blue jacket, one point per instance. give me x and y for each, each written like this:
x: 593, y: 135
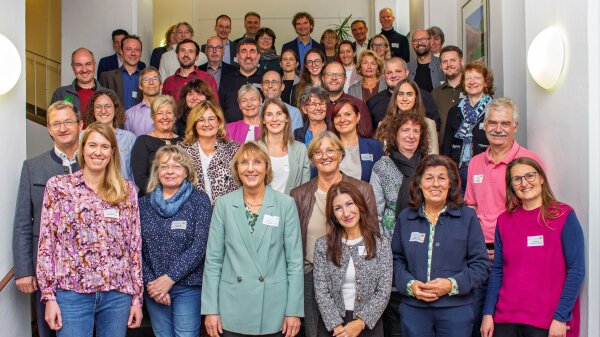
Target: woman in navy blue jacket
x: 439, y: 254
x: 361, y: 152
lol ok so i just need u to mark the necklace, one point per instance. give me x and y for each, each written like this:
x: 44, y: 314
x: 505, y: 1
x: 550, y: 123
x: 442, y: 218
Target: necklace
x: 253, y: 205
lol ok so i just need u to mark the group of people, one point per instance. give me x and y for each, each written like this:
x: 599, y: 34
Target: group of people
x: 337, y: 189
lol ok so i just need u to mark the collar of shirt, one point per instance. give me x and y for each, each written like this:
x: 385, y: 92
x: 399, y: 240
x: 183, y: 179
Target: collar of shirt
x: 300, y: 44
x: 123, y: 70
x: 178, y: 71
x: 65, y: 159
x: 77, y: 87
x: 424, y: 214
x: 509, y: 156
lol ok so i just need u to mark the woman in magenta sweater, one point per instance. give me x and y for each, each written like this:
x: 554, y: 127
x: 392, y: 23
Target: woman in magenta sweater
x: 539, y: 261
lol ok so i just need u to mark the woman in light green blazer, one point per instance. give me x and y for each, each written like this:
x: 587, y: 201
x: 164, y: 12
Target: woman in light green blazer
x: 289, y: 159
x: 253, y: 280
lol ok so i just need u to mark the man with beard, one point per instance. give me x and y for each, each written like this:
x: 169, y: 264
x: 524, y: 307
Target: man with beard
x: 84, y: 85
x: 248, y: 56
x: 215, y: 65
x: 398, y: 42
x: 425, y: 70
x: 169, y: 62
x: 251, y: 25
x: 187, y: 54
x: 486, y: 185
x: 272, y: 86
x: 333, y: 79
x: 448, y: 93
x: 396, y: 71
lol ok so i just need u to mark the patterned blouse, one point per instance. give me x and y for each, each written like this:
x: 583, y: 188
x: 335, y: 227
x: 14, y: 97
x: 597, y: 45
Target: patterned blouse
x: 86, y: 245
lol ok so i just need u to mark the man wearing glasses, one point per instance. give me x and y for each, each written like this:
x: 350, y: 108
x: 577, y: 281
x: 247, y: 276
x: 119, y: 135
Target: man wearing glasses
x: 84, y: 85
x: 272, y: 86
x: 486, y: 182
x: 187, y: 55
x: 426, y: 69
x: 139, y: 117
x: 215, y: 66
x: 333, y: 79
x: 64, y: 125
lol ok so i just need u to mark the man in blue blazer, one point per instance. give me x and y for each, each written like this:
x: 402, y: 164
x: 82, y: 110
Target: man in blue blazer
x: 115, y: 61
x: 304, y: 25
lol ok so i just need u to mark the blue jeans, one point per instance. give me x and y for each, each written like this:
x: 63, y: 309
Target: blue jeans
x: 107, y: 310
x: 181, y: 318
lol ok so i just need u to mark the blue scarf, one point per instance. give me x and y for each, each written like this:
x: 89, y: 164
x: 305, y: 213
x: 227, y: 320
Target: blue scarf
x: 470, y: 116
x: 168, y: 208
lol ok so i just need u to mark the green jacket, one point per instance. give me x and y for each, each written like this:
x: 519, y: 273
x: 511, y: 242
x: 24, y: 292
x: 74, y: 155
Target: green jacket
x: 254, y: 281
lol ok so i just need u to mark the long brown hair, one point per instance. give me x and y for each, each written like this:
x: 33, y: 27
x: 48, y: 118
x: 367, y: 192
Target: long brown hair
x: 198, y: 86
x: 305, y: 75
x: 550, y: 206
x: 337, y: 106
x: 454, y: 198
x: 335, y: 231
x: 393, y: 110
x: 287, y: 129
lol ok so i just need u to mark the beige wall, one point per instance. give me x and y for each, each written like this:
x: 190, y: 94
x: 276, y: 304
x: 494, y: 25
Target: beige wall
x: 276, y: 15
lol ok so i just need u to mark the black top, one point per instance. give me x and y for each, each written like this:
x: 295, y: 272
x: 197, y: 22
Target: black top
x: 452, y: 146
x: 230, y: 84
x: 286, y: 94
x: 398, y: 44
x: 423, y: 77
x: 156, y: 56
x: 142, y: 154
x: 378, y: 105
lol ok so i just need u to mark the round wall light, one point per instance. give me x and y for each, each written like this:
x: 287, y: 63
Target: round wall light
x: 546, y: 57
x: 10, y: 65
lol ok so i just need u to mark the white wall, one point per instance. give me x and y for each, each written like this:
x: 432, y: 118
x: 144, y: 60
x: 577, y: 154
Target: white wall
x: 90, y: 24
x: 13, y: 305
x: 38, y: 139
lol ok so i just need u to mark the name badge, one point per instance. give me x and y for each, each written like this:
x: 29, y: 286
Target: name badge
x: 480, y: 126
x: 235, y: 60
x: 417, y: 237
x: 366, y: 156
x: 271, y: 220
x: 180, y: 224
x: 395, y: 45
x: 362, y: 251
x: 134, y: 94
x: 535, y: 241
x: 477, y: 178
x: 111, y: 213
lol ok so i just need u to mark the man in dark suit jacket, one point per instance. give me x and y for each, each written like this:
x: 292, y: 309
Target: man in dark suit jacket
x: 303, y: 24
x: 251, y: 25
x: 115, y: 61
x: 215, y: 65
x: 124, y: 81
x: 223, y: 29
x: 64, y: 125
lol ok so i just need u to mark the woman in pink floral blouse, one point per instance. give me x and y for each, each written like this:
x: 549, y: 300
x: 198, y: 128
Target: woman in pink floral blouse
x: 89, y: 259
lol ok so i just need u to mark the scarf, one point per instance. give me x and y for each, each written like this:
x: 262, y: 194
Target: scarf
x: 470, y: 116
x: 407, y: 167
x: 168, y: 208
x: 269, y: 55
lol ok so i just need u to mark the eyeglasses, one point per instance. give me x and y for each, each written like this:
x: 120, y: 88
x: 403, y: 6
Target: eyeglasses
x: 334, y: 75
x: 378, y: 45
x: 266, y: 83
x: 315, y: 62
x: 210, y: 120
x: 329, y: 151
x: 108, y: 107
x: 266, y: 38
x: 214, y: 47
x: 246, y: 163
x: 314, y: 105
x: 420, y: 40
x: 165, y: 167
x: 149, y: 79
x: 529, y: 176
x: 56, y: 125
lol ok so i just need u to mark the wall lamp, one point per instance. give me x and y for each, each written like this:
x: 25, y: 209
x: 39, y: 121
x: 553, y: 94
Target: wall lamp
x: 10, y: 65
x: 546, y: 57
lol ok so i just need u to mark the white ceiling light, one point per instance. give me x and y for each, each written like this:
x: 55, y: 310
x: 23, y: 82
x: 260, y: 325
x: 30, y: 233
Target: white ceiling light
x: 10, y: 65
x: 546, y: 57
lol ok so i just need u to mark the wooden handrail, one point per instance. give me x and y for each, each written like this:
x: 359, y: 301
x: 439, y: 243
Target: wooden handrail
x: 7, y: 278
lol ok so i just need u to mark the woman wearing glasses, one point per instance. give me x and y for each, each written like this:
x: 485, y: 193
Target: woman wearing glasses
x: 539, y: 260
x: 381, y: 46
x: 325, y: 152
x: 269, y: 60
x: 313, y: 104
x: 310, y: 74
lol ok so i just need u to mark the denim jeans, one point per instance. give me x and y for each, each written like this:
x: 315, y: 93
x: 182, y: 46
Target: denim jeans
x: 107, y: 310
x: 181, y: 318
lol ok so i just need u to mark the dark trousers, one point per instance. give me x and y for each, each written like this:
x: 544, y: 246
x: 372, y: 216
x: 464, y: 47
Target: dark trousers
x: 464, y: 173
x: 40, y: 310
x: 391, y: 316
x: 377, y: 330
x: 310, y: 322
x: 478, y: 302
x: 518, y: 330
x: 436, y: 322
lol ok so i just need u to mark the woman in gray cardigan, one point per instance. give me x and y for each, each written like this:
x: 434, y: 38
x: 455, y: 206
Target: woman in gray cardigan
x: 352, y: 268
x: 291, y: 167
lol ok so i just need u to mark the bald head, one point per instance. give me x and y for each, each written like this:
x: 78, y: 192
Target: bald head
x: 395, y: 71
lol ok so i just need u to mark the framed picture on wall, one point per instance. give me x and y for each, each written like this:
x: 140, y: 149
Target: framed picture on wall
x: 475, y: 34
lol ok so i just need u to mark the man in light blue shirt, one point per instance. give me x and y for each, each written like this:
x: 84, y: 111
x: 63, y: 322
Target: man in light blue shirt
x: 139, y: 117
x: 272, y: 86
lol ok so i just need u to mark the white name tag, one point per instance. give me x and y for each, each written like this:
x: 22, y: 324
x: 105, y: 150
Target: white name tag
x: 362, y: 251
x: 480, y: 126
x: 535, y: 241
x: 271, y: 220
x: 180, y: 224
x: 134, y: 94
x: 417, y: 237
x: 366, y: 156
x: 477, y: 178
x: 395, y: 45
x: 111, y: 213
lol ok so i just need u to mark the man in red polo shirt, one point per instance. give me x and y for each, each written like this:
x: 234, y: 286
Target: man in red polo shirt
x: 187, y: 55
x: 486, y: 181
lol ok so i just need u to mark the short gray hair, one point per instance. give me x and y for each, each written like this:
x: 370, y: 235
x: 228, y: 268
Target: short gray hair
x: 503, y: 103
x: 311, y: 91
x: 246, y: 88
x: 61, y: 105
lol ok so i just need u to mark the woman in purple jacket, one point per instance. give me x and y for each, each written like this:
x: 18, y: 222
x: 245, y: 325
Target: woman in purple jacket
x: 539, y: 261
